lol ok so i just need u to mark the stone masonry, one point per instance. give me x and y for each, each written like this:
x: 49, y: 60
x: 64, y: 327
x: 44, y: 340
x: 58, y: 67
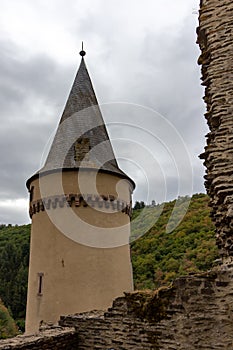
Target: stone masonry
x: 215, y: 38
x: 195, y: 312
x: 53, y: 338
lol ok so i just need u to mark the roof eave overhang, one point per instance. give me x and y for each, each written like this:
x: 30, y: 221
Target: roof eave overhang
x: 48, y: 172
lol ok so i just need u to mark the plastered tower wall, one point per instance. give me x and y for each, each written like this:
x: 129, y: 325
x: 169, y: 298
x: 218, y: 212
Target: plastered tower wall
x: 66, y: 276
x: 215, y: 38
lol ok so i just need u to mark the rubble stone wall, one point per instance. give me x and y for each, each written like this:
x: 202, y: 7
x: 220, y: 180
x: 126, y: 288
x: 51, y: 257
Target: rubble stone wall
x: 50, y: 339
x: 215, y: 38
x: 196, y: 312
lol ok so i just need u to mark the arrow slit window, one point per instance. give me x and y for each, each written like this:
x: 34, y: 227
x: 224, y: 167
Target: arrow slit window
x: 40, y: 283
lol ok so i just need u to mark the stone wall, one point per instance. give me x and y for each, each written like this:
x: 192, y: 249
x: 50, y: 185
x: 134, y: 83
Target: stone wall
x: 215, y: 38
x: 51, y: 339
x: 196, y: 312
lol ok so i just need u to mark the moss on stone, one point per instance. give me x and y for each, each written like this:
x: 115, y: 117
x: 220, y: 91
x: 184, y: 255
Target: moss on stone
x: 150, y: 305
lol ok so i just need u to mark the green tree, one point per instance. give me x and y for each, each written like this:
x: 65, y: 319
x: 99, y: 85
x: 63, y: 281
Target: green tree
x: 158, y: 256
x: 7, y: 325
x: 139, y: 205
x: 14, y: 256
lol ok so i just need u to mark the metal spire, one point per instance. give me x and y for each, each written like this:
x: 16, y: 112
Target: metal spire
x: 82, y: 52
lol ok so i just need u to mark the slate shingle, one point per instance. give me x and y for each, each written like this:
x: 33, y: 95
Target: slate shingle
x: 81, y: 120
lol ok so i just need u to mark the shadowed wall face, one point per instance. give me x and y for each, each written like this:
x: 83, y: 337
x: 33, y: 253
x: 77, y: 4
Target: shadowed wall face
x: 215, y: 38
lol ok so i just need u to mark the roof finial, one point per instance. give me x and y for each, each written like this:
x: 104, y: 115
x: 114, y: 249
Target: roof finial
x: 82, y: 52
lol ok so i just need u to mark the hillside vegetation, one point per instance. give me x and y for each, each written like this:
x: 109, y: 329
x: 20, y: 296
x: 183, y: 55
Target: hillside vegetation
x: 14, y: 259
x: 7, y: 324
x: 157, y: 256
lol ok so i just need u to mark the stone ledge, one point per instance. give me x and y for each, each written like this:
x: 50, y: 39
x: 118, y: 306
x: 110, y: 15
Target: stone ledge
x: 51, y: 337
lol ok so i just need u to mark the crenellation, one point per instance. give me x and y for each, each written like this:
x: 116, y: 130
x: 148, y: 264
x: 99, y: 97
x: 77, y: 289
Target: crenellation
x: 106, y: 201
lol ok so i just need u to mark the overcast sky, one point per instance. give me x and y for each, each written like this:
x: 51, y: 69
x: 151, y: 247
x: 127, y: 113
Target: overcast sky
x: 142, y: 59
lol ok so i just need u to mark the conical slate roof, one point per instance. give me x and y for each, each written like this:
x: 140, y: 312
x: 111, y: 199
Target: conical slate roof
x: 81, y: 140
x: 82, y: 94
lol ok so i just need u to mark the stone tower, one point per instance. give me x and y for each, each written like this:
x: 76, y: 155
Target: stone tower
x: 80, y: 205
x: 215, y: 38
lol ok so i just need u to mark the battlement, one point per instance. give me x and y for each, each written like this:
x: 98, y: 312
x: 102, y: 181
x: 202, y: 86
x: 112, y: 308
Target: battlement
x: 77, y: 200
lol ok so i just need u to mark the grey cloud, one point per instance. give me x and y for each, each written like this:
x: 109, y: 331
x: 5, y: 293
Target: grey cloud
x: 24, y: 78
x: 31, y: 97
x: 14, y: 215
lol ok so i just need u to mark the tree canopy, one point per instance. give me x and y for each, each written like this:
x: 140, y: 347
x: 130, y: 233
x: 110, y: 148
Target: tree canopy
x: 7, y: 324
x: 158, y: 256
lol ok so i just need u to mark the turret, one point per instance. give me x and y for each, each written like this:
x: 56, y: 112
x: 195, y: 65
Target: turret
x: 80, y: 205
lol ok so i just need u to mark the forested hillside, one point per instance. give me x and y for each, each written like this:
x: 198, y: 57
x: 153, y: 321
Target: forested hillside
x: 7, y: 324
x: 14, y: 257
x: 157, y: 257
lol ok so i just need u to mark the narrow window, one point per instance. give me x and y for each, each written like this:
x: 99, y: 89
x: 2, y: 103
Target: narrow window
x: 40, y: 282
